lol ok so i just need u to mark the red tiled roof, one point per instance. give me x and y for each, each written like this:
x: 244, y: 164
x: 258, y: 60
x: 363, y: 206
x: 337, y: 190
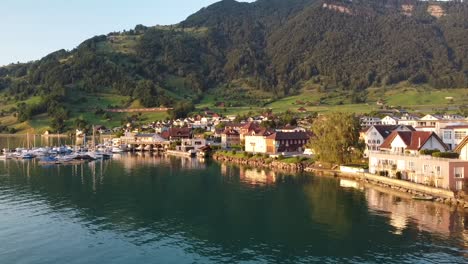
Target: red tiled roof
x: 414, y: 140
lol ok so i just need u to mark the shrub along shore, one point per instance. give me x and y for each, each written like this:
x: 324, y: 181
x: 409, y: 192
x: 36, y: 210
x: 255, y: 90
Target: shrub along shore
x: 297, y: 164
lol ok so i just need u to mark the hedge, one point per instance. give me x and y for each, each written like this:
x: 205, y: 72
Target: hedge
x: 447, y: 155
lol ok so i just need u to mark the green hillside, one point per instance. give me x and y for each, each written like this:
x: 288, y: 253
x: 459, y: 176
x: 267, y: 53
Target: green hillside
x: 234, y: 56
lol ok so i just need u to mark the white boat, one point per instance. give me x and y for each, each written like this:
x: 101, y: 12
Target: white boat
x: 147, y: 148
x: 116, y: 150
x: 139, y: 148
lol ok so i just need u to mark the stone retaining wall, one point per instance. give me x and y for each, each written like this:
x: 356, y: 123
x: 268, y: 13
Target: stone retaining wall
x: 261, y: 163
x: 437, y: 192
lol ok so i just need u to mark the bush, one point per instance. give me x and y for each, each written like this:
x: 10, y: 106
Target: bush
x: 447, y: 155
x: 250, y: 155
x: 428, y: 151
x: 280, y: 157
x: 233, y: 152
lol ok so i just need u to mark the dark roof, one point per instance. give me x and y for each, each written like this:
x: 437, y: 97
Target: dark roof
x: 414, y: 140
x: 386, y: 130
x: 230, y: 132
x: 289, y: 136
x: 261, y: 131
x: 250, y: 126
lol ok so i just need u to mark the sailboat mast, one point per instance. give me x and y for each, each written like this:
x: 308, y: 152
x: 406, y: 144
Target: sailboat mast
x: 94, y: 143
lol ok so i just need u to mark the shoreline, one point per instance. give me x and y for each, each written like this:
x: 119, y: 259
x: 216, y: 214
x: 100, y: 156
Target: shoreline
x: 405, y: 188
x: 261, y: 162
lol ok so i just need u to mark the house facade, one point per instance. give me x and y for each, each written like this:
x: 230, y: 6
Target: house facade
x: 277, y: 142
x: 188, y: 144
x: 453, y: 135
x: 287, y: 142
x: 229, y: 138
x: 390, y: 120
x: 442, y: 173
x: 368, y: 121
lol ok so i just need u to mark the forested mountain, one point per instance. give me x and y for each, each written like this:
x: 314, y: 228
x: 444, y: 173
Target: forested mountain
x: 273, y: 45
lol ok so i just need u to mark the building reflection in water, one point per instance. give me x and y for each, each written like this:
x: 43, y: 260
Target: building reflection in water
x: 132, y: 161
x: 250, y: 176
x: 257, y: 176
x: 428, y: 216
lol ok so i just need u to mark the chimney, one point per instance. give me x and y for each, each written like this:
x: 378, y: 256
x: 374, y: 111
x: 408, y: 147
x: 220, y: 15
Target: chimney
x: 419, y: 144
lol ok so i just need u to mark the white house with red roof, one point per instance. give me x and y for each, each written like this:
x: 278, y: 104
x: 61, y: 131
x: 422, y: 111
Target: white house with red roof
x: 412, y: 142
x: 374, y: 136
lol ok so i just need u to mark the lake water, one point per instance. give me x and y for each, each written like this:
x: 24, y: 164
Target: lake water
x: 146, y: 209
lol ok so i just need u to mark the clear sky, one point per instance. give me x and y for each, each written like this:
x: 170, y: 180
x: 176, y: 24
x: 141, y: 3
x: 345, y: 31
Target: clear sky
x: 31, y: 29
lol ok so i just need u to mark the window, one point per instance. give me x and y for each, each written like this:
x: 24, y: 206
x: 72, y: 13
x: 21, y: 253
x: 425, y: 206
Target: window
x: 411, y: 165
x: 459, y: 185
x: 447, y: 134
x: 459, y: 172
x: 378, y: 141
x: 426, y: 168
x: 437, y: 170
x: 460, y: 134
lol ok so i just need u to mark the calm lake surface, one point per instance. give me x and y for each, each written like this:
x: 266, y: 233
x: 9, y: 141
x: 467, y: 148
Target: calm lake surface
x: 146, y: 209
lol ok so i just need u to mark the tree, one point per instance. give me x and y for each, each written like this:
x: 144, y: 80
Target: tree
x: 336, y: 138
x: 146, y: 92
x: 181, y: 109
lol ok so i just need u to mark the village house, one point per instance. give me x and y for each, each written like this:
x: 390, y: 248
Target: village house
x: 248, y: 128
x: 276, y: 142
x: 177, y: 134
x: 368, y: 121
x: 412, y: 142
x: 374, y: 136
x: 188, y: 144
x: 408, y: 120
x: 256, y: 142
x: 229, y: 138
x: 453, y: 135
x: 390, y: 120
x: 422, y: 169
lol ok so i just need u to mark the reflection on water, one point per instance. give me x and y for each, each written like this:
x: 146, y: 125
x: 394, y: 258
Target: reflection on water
x: 257, y: 176
x: 142, y: 208
x: 427, y: 216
